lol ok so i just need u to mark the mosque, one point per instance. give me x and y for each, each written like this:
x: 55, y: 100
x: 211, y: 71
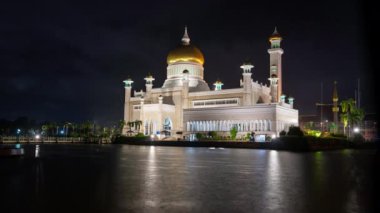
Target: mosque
x: 185, y: 104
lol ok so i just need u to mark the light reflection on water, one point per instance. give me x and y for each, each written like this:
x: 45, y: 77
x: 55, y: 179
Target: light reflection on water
x: 86, y: 178
x: 272, y: 192
x: 37, y: 151
x: 203, y: 179
x: 151, y: 184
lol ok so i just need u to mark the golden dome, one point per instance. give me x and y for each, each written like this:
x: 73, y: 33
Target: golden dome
x: 185, y: 53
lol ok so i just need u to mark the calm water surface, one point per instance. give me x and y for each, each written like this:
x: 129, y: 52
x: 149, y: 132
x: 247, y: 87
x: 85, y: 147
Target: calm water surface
x: 124, y: 178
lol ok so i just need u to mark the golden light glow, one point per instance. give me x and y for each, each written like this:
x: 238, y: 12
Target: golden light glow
x: 275, y: 37
x: 185, y: 53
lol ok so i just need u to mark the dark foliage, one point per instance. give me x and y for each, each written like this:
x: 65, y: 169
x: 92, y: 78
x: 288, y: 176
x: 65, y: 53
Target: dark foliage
x: 358, y: 138
x: 295, y: 131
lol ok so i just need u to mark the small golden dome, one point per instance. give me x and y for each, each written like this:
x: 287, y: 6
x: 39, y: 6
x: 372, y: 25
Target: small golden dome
x: 185, y: 53
x: 275, y: 35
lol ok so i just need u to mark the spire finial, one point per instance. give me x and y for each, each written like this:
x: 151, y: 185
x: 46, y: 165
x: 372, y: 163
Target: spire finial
x: 335, y: 92
x: 185, y: 38
x: 275, y: 32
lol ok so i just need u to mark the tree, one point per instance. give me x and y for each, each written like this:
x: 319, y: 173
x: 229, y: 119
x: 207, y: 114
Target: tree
x: 350, y: 114
x: 74, y: 132
x: 333, y: 128
x: 212, y: 134
x: 138, y: 123
x: 66, y: 127
x: 233, y: 132
x: 121, y: 126
x: 51, y: 127
x: 295, y: 131
x: 85, y: 128
x: 198, y: 135
x: 45, y: 129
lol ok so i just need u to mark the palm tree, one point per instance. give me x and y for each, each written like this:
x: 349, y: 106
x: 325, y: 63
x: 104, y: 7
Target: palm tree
x: 74, y: 128
x: 121, y: 126
x: 45, y: 129
x: 66, y: 127
x: 138, y: 123
x: 51, y: 128
x: 350, y: 114
x: 130, y: 125
x: 85, y: 128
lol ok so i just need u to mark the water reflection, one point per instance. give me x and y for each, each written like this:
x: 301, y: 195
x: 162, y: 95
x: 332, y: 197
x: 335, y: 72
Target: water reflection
x: 273, y: 191
x: 151, y: 179
x: 84, y: 178
x: 37, y: 151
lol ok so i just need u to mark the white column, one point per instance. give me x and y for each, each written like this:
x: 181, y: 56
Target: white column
x: 270, y: 125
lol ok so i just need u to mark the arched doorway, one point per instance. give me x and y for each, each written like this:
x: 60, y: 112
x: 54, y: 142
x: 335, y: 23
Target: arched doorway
x: 168, y: 126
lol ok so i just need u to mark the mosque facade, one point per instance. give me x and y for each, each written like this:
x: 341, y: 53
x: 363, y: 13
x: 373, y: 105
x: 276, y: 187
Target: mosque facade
x: 185, y: 104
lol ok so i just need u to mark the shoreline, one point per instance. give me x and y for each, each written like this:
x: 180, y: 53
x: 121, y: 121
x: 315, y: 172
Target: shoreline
x: 255, y: 145
x: 299, y: 146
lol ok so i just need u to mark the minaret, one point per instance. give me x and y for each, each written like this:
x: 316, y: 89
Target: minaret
x: 218, y: 85
x: 247, y: 83
x: 275, y: 65
x: 128, y: 88
x: 273, y: 86
x: 335, y: 107
x: 185, y: 89
x: 291, y: 102
x: 142, y: 128
x: 149, y: 84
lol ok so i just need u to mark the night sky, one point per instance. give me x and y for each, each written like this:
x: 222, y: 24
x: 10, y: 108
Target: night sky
x: 66, y: 60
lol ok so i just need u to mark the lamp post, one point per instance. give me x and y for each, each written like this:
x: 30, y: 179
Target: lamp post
x: 18, y: 135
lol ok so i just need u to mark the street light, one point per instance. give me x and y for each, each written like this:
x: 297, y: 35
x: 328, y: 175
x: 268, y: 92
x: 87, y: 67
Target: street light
x: 273, y: 136
x: 18, y: 135
x: 356, y: 130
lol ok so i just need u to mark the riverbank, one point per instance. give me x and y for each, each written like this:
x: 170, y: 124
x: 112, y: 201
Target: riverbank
x: 61, y: 140
x: 283, y: 143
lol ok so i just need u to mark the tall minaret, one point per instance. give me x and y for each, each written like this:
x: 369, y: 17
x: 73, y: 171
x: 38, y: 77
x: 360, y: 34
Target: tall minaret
x: 275, y: 65
x: 335, y: 107
x: 247, y: 83
x: 128, y: 88
x: 149, y: 84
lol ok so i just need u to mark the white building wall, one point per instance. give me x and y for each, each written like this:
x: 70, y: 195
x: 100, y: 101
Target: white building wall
x: 261, y: 118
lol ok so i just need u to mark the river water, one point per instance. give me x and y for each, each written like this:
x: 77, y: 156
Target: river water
x: 125, y: 178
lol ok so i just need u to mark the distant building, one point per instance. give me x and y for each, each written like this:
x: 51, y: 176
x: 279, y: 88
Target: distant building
x: 327, y: 116
x: 185, y: 104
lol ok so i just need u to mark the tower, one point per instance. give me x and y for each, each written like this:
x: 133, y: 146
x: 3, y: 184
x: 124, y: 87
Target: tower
x: 149, y: 84
x: 335, y: 107
x: 275, y: 65
x: 247, y: 83
x: 218, y: 85
x: 128, y: 88
x: 185, y: 89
